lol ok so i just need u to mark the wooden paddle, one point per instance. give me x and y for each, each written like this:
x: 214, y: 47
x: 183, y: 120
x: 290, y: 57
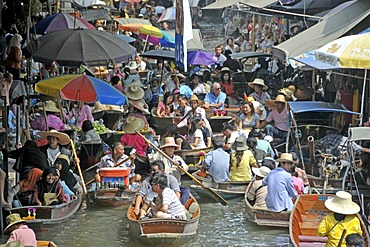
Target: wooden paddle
x: 214, y: 194
x: 78, y: 167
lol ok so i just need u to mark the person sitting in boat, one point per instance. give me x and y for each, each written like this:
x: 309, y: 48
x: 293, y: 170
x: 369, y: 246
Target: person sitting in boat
x: 156, y: 167
x: 181, y: 141
x: 280, y: 116
x: 88, y: 132
x: 62, y: 164
x: 257, y: 193
x: 196, y: 83
x: 67, y: 191
x: 165, y: 107
x: 162, y: 200
x: 262, y: 144
x: 198, y: 137
x: 79, y: 113
x: 259, y: 93
x: 51, y: 120
x: 230, y: 132
x: 280, y: 188
x: 241, y: 161
x: 48, y: 190
x: 116, y: 158
x: 227, y: 84
x: 216, y: 98
x: 183, y: 107
x: 342, y: 217
x: 19, y: 231
x: 355, y: 240
x: 217, y: 161
x: 131, y: 138
x: 248, y: 118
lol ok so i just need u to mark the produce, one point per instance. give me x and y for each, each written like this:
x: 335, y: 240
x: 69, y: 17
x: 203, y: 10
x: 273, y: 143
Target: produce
x: 99, y: 127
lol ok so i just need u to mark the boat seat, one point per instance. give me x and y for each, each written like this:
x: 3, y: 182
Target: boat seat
x: 312, y: 239
x: 307, y: 244
x: 310, y: 228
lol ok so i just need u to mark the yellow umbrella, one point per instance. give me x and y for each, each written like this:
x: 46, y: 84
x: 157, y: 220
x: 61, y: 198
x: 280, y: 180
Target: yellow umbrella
x: 53, y: 85
x: 142, y: 28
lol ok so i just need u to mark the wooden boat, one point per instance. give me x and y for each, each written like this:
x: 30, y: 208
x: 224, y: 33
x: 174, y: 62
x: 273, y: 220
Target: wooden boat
x: 228, y: 190
x: 41, y: 243
x: 265, y: 217
x: 164, y: 232
x: 112, y: 197
x: 191, y: 156
x: 48, y: 215
x: 217, y: 123
x: 305, y: 219
x: 160, y: 124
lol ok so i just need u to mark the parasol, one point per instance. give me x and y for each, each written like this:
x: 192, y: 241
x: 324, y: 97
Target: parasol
x: 81, y: 88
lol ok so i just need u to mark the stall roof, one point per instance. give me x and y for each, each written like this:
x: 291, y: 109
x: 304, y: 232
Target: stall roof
x: 318, y: 106
x: 221, y: 4
x: 333, y: 26
x: 247, y: 54
x: 310, y: 61
x: 258, y: 3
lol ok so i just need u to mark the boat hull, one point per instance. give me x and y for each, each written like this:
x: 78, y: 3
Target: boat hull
x: 112, y: 197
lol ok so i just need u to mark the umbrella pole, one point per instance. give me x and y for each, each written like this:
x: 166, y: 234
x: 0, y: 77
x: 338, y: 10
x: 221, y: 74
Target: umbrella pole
x: 46, y: 117
x: 363, y: 98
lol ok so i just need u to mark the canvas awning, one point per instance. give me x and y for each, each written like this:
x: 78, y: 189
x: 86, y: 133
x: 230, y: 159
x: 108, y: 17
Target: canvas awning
x: 333, y: 26
x: 258, y: 3
x: 220, y: 4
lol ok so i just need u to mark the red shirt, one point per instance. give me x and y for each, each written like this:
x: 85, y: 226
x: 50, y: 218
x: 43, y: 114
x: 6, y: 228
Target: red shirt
x: 229, y: 88
x: 136, y: 141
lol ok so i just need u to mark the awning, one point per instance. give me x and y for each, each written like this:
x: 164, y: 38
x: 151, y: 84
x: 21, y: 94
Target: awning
x: 333, y: 26
x: 258, y: 3
x: 310, y: 61
x: 318, y: 106
x: 220, y: 4
x: 95, y: 14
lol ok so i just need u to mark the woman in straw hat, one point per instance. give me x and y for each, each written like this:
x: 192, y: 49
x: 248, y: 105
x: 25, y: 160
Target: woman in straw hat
x: 259, y: 93
x: 131, y: 138
x: 343, y: 217
x: 52, y: 120
x: 19, y: 231
x: 56, y: 141
x: 258, y: 191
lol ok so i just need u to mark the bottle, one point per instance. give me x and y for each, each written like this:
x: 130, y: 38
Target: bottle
x: 92, y: 187
x: 134, y: 185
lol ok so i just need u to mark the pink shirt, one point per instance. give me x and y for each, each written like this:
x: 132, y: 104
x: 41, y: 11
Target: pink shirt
x: 53, y: 122
x: 298, y: 183
x: 136, y: 141
x: 25, y: 235
x: 280, y: 119
x: 85, y: 114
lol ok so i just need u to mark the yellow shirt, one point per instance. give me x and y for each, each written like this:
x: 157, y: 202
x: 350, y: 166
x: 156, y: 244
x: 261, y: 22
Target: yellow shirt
x: 351, y: 223
x: 243, y: 171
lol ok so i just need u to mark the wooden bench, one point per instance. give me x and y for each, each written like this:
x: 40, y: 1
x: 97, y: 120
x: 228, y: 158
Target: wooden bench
x: 312, y: 241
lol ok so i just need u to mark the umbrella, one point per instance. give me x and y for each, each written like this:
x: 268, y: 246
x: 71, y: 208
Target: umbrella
x: 127, y: 39
x: 168, y: 14
x: 159, y: 54
x: 142, y: 28
x: 81, y: 88
x: 348, y: 52
x: 59, y: 22
x: 201, y: 58
x: 75, y: 47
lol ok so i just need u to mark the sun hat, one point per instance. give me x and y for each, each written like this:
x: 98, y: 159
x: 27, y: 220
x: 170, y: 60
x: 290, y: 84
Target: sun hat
x: 134, y: 91
x: 262, y: 171
x: 224, y: 70
x: 194, y: 98
x: 258, y: 81
x: 169, y: 142
x: 285, y: 157
x: 271, y: 103
x: 132, y: 125
x: 239, y: 144
x: 138, y: 104
x: 259, y: 107
x: 13, y: 219
x: 287, y: 93
x: 50, y: 106
x: 63, y: 138
x: 342, y: 203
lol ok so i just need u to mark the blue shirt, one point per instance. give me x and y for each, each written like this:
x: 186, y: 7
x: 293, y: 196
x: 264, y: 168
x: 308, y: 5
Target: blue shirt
x: 217, y: 163
x: 279, y: 190
x: 186, y: 90
x: 212, y: 99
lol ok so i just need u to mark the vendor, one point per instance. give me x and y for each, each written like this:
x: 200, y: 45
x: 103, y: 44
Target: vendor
x: 52, y: 121
x: 131, y: 138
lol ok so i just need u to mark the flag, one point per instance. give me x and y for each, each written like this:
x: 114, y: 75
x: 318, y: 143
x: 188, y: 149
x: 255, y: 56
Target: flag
x: 183, y: 33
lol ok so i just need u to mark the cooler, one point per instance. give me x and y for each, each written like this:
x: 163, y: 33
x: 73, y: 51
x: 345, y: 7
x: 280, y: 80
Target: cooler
x: 115, y: 174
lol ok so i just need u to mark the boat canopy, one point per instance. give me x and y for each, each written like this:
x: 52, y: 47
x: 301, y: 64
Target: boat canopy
x: 319, y: 106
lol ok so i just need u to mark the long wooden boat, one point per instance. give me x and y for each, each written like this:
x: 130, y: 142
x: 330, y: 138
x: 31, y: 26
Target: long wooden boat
x: 265, y: 217
x: 305, y: 219
x: 165, y: 232
x: 41, y: 243
x: 191, y: 156
x: 49, y: 215
x: 112, y: 197
x: 228, y: 190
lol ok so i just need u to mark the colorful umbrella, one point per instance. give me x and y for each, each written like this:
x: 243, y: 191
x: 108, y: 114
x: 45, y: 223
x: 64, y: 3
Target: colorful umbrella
x: 142, y: 28
x: 201, y: 58
x: 59, y: 22
x: 81, y: 88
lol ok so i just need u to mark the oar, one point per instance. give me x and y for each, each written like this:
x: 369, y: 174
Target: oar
x: 78, y: 167
x: 214, y: 194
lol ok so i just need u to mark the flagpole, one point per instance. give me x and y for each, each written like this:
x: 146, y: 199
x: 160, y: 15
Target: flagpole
x: 363, y: 98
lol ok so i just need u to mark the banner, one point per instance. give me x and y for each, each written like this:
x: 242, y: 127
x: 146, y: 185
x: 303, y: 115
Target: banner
x: 183, y: 33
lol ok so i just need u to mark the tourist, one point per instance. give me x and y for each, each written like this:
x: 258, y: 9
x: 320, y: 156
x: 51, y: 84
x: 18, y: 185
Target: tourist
x: 355, y: 240
x: 62, y: 164
x: 230, y: 133
x: 181, y: 141
x: 341, y: 218
x: 248, y: 117
x: 198, y: 137
x: 259, y: 93
x: 226, y: 82
x: 220, y: 57
x: 280, y: 188
x: 19, y: 231
x: 196, y: 83
x: 183, y: 107
x: 216, y: 98
x: 217, y: 161
x: 241, y: 161
x: 257, y: 193
x: 165, y: 107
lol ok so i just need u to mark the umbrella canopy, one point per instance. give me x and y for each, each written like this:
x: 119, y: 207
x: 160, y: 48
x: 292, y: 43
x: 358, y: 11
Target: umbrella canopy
x: 127, y: 39
x: 142, y: 28
x: 201, y: 58
x: 59, y: 22
x: 81, y: 88
x: 75, y: 47
x: 159, y: 54
x: 346, y: 52
x: 168, y: 14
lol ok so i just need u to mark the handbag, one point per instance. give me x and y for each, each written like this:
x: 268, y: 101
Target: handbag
x: 49, y: 198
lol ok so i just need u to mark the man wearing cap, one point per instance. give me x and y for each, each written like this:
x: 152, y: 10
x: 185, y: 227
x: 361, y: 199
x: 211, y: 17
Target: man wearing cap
x: 258, y: 191
x: 342, y: 218
x: 280, y: 188
x: 216, y: 98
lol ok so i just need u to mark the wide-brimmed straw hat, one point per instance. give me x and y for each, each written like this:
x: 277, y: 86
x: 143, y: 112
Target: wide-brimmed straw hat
x: 260, y: 82
x: 288, y: 93
x: 285, y: 157
x: 138, y: 104
x: 239, y: 144
x: 194, y: 98
x: 134, y: 91
x: 13, y: 219
x: 342, y: 203
x: 169, y: 142
x: 132, y: 125
x: 262, y: 171
x: 271, y: 103
x: 50, y: 106
x: 224, y: 70
x: 258, y: 106
x: 63, y: 138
